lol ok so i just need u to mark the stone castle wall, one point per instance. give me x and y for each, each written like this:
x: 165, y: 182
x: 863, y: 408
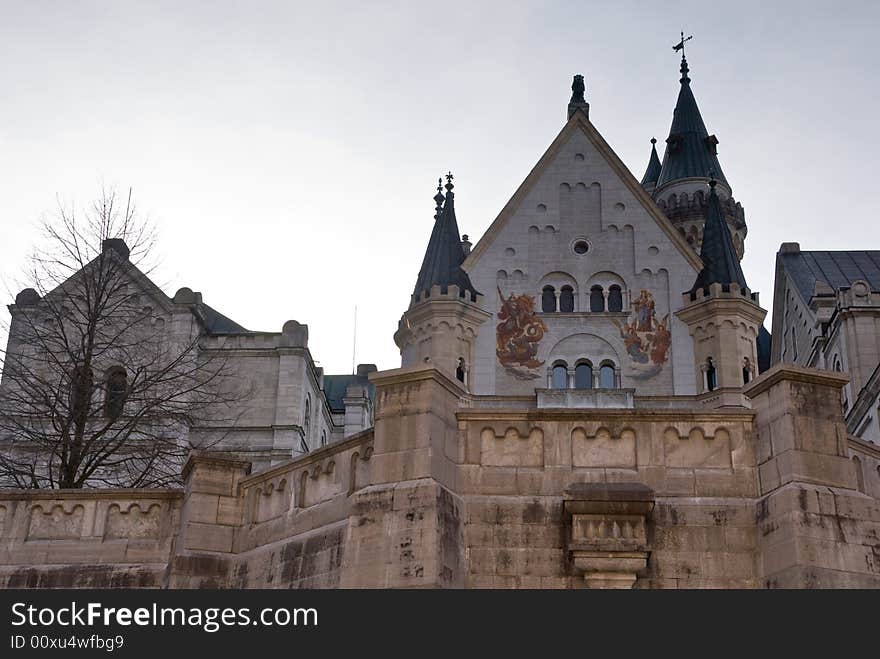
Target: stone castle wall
x: 453, y: 490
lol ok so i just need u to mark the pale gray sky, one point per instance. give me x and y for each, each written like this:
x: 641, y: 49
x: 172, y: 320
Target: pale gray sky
x: 288, y: 152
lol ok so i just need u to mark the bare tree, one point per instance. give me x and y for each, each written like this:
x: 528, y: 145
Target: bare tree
x: 99, y: 386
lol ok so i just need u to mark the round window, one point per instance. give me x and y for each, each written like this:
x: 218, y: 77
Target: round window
x: 580, y: 246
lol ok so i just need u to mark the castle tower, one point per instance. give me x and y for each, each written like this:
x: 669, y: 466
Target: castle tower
x: 440, y: 326
x: 722, y: 315
x: 691, y: 154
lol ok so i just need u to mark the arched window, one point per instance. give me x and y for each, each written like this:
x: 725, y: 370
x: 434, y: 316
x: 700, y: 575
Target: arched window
x: 860, y: 477
x: 307, y: 422
x: 81, y: 383
x: 459, y: 371
x: 560, y: 376
x: 711, y: 375
x: 323, y: 438
x: 115, y: 392
x: 583, y: 376
x: 606, y: 376
x: 548, y: 299
x: 597, y: 299
x: 615, y: 298
x: 747, y: 370
x: 566, y: 299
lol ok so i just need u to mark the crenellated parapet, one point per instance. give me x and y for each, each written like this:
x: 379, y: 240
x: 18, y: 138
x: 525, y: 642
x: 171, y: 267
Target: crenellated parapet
x: 687, y: 212
x: 724, y: 321
x: 440, y: 329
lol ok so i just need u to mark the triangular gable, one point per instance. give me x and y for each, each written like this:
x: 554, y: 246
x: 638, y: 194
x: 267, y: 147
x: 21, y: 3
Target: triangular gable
x: 579, y: 121
x: 133, y: 274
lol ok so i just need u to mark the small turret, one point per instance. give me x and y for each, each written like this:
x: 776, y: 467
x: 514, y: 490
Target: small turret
x: 723, y: 316
x: 440, y: 326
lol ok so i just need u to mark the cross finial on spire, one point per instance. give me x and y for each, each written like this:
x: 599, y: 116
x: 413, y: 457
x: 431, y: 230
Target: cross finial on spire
x: 684, y: 64
x: 449, y: 185
x: 680, y: 44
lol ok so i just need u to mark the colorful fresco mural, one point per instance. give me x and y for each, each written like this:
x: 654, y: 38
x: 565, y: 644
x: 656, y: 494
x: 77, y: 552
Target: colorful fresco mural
x: 518, y: 335
x: 646, y: 338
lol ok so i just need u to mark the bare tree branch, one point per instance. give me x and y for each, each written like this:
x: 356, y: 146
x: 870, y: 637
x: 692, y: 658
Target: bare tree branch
x: 103, y: 376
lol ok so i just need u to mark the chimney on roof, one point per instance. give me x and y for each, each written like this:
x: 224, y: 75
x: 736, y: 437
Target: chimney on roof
x: 790, y: 248
x: 117, y: 245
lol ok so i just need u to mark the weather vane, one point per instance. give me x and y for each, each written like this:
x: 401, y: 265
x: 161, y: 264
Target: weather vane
x: 680, y: 44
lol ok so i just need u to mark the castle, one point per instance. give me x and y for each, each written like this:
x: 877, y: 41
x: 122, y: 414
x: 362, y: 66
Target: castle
x: 587, y: 398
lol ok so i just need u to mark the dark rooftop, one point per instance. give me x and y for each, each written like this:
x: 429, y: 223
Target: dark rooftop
x: 690, y: 151
x: 335, y: 386
x: 838, y: 269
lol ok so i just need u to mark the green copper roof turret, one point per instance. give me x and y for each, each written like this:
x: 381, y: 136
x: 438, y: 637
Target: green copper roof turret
x: 690, y: 150
x: 720, y: 263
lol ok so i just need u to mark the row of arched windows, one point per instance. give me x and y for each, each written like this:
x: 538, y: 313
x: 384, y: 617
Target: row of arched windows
x: 599, y: 300
x: 583, y: 376
x: 115, y: 392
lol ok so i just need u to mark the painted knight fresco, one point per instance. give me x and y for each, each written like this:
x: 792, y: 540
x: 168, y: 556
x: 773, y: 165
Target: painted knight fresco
x: 646, y: 339
x: 518, y: 335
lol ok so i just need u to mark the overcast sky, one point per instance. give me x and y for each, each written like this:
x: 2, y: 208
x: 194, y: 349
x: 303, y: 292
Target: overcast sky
x: 288, y: 152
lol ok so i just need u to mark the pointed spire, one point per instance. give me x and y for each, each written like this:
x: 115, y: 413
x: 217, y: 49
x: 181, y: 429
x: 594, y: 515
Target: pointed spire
x: 690, y: 150
x: 649, y: 180
x: 720, y: 263
x: 444, y: 255
x: 578, y: 102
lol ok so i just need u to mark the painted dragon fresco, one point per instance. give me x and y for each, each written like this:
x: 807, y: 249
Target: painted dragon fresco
x: 518, y: 335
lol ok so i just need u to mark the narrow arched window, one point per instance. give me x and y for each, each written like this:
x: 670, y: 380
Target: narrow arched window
x: 583, y: 376
x: 615, y: 298
x: 606, y: 376
x: 115, y: 393
x: 560, y: 376
x: 307, y: 422
x: 81, y: 383
x: 597, y: 299
x: 548, y: 299
x: 323, y: 438
x: 459, y: 371
x: 711, y: 375
x: 747, y: 370
x: 566, y: 299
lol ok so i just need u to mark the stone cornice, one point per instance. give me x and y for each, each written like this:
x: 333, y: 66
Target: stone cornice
x: 417, y: 373
x: 90, y: 494
x: 785, y: 371
x: 213, y: 458
x: 317, y: 455
x: 635, y: 415
x: 709, y: 307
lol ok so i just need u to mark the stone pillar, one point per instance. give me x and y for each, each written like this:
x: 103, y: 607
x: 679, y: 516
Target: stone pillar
x: 815, y: 529
x: 406, y: 528
x: 209, y: 521
x: 607, y: 537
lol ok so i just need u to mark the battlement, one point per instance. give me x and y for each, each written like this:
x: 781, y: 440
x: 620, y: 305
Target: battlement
x: 720, y: 291
x: 683, y: 206
x: 452, y: 292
